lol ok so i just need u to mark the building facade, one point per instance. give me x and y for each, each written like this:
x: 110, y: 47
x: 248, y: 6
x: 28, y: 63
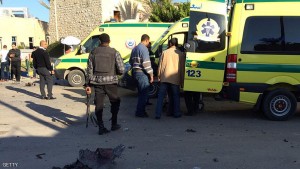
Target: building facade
x: 17, y: 26
x: 79, y: 17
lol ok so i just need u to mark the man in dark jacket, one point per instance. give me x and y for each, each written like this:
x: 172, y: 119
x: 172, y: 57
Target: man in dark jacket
x: 104, y: 64
x: 15, y: 57
x: 42, y: 64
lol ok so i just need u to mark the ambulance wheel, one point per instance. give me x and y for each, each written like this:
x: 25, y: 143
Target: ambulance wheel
x: 153, y: 91
x: 76, y: 78
x: 279, y: 105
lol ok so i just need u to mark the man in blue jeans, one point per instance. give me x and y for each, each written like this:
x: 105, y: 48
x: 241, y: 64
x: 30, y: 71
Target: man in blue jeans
x: 142, y: 73
x: 170, y: 74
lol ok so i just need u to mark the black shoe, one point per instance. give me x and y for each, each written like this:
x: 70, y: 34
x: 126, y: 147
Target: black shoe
x: 142, y: 115
x: 115, y: 127
x: 51, y: 98
x: 188, y: 114
x: 148, y: 104
x: 157, y: 118
x: 178, y: 116
x: 103, y: 131
x: 44, y: 98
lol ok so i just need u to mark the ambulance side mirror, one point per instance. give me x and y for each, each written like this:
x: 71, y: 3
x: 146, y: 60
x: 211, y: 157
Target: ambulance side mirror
x: 158, y: 51
x: 81, y: 50
x: 190, y: 46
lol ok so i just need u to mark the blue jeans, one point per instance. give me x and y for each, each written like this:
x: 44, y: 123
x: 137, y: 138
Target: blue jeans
x: 4, y: 70
x: 175, y: 98
x: 143, y: 90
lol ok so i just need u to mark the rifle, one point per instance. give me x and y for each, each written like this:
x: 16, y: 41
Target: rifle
x: 89, y: 115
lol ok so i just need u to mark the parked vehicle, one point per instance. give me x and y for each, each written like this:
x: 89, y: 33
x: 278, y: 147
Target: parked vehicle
x: 249, y: 55
x: 124, y: 37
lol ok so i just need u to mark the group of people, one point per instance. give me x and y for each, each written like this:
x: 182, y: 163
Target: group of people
x: 10, y: 60
x: 105, y: 64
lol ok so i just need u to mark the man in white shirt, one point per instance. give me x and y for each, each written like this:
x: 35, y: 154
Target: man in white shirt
x: 4, y: 64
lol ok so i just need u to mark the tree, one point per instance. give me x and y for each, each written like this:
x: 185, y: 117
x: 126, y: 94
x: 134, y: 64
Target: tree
x: 166, y: 11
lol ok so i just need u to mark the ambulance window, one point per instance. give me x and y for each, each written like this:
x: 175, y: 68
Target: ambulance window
x: 275, y: 35
x: 292, y: 35
x: 208, y: 31
x: 91, y: 44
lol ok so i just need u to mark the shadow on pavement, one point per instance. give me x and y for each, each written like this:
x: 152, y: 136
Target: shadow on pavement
x: 54, y: 114
x: 29, y: 93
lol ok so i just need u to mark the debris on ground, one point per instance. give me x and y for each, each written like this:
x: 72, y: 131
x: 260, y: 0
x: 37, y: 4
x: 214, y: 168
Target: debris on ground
x: 215, y: 160
x: 29, y: 84
x: 39, y: 156
x: 98, y: 159
x: 190, y: 130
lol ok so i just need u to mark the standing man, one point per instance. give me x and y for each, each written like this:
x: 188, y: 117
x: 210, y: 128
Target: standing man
x: 42, y: 64
x: 4, y: 63
x: 15, y: 57
x: 104, y: 64
x: 142, y: 72
x: 170, y: 75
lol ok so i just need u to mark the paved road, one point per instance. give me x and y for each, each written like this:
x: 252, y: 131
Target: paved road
x: 227, y: 135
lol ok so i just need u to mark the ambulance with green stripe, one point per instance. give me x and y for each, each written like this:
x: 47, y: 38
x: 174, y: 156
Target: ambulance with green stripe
x: 124, y: 37
x: 250, y: 54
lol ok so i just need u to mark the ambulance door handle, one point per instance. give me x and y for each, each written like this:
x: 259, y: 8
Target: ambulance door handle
x: 240, y: 60
x: 212, y: 59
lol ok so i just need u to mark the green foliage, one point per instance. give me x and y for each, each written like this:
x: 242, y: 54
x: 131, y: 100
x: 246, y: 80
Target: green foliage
x: 166, y: 11
x: 55, y: 49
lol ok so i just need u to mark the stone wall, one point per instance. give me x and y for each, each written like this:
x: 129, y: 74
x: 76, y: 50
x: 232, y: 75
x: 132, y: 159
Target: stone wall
x: 74, y: 18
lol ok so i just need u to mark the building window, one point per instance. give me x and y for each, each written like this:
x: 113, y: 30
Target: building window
x: 14, y: 39
x: 30, y: 42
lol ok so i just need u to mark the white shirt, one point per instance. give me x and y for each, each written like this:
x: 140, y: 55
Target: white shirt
x: 3, y: 54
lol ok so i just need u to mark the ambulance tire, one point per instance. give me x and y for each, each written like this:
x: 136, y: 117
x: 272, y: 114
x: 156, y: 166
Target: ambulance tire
x: 279, y: 105
x: 153, y: 91
x: 76, y: 78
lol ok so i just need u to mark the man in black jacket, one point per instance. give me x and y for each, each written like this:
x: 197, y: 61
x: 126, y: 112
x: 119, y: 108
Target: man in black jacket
x: 15, y: 57
x: 42, y: 64
x: 104, y: 64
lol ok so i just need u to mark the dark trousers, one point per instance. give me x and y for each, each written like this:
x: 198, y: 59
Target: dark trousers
x: 111, y: 90
x: 4, y: 70
x: 45, y: 78
x: 16, y: 70
x: 192, y: 100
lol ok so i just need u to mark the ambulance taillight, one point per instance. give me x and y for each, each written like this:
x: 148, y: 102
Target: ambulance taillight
x: 231, y: 68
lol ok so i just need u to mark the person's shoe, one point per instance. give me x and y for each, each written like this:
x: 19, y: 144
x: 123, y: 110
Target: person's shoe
x: 142, y: 115
x: 188, y: 114
x: 51, y: 98
x: 115, y: 127
x: 103, y: 131
x: 157, y: 117
x: 178, y: 116
x: 148, y: 104
x: 44, y: 98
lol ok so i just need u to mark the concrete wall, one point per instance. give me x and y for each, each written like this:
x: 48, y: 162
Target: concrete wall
x: 22, y: 28
x: 79, y: 17
x: 74, y: 18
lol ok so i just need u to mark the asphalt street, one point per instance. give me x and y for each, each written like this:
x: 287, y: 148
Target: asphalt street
x: 41, y: 134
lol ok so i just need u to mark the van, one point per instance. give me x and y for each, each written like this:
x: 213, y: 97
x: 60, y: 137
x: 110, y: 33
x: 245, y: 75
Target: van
x: 178, y: 30
x: 250, y: 54
x: 124, y: 37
